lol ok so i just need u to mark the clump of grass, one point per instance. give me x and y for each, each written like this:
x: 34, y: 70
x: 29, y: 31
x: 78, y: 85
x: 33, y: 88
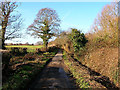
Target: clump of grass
x: 115, y: 76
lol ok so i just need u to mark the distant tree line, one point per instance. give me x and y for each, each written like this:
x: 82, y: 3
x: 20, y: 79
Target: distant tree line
x: 18, y: 44
x: 37, y: 43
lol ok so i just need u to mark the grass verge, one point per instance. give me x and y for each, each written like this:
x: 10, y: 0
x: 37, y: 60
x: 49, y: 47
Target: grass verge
x: 79, y: 80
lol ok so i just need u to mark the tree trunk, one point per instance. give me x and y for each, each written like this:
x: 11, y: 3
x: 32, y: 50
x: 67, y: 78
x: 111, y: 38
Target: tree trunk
x: 3, y: 38
x: 4, y: 25
x: 46, y: 47
x: 45, y: 44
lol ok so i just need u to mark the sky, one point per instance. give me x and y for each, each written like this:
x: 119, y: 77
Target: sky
x: 79, y: 15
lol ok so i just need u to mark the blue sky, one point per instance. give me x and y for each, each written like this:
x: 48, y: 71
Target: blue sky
x: 78, y: 15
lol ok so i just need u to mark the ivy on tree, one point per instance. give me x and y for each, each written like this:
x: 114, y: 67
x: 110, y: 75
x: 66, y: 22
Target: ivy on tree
x: 45, y: 25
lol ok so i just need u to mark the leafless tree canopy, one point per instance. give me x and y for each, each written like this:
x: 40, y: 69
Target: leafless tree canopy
x: 10, y: 21
x: 45, y: 16
x: 107, y: 20
x: 45, y: 25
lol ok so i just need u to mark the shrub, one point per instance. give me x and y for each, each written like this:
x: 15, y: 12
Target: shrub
x: 51, y: 49
x: 14, y: 51
x: 23, y: 50
x: 78, y: 40
x: 18, y: 51
x: 5, y: 60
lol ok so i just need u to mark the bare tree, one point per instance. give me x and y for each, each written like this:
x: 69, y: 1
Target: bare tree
x: 107, y: 21
x: 9, y: 21
x: 45, y: 25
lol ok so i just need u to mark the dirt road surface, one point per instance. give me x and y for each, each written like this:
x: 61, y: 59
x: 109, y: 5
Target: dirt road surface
x: 53, y: 76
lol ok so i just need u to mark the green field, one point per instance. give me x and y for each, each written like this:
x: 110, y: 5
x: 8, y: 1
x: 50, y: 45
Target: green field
x: 30, y: 48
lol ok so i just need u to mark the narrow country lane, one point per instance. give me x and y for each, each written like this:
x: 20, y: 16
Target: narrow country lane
x: 53, y: 76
